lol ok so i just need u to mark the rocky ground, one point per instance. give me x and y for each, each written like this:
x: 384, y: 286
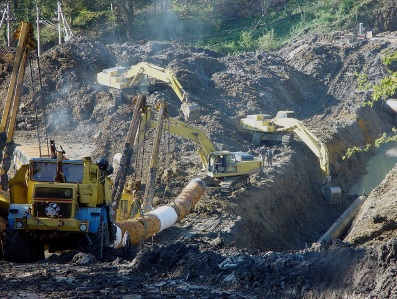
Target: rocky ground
x: 260, y: 241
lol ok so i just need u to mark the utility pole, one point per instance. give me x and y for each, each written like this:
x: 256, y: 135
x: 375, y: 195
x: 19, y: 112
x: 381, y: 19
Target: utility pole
x: 8, y: 24
x: 38, y: 31
x: 112, y: 17
x: 7, y: 17
x: 59, y: 23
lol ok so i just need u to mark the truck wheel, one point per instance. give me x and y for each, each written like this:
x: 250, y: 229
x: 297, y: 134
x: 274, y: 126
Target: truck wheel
x: 94, y: 242
x: 20, y: 247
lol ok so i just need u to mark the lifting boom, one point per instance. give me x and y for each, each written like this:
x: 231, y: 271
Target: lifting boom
x: 26, y: 43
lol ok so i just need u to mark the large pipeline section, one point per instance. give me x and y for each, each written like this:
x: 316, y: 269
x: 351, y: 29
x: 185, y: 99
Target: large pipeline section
x: 390, y: 107
x: 153, y: 222
x: 339, y: 228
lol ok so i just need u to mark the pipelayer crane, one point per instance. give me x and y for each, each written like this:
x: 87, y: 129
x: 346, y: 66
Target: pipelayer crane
x: 120, y: 77
x: 26, y: 43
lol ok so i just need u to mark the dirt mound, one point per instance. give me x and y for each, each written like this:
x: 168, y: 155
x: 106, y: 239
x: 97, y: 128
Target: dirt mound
x: 377, y: 219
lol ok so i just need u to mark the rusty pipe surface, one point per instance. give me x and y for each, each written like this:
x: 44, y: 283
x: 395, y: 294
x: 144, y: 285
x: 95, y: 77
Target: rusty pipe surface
x: 139, y: 229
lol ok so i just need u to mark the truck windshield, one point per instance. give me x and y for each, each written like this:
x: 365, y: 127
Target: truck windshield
x: 46, y: 172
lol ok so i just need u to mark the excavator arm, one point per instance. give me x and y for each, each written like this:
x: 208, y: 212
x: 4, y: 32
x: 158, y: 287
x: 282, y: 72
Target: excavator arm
x: 332, y: 194
x: 120, y: 77
x: 315, y: 145
x: 178, y: 128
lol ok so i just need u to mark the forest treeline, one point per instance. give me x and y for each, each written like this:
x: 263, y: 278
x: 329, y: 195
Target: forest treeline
x: 230, y: 26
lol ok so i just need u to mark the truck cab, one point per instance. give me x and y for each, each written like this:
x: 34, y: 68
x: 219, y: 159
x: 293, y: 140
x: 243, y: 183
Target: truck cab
x: 71, y: 213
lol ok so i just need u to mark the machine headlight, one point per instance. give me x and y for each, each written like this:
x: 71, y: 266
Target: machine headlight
x: 18, y: 223
x: 83, y: 227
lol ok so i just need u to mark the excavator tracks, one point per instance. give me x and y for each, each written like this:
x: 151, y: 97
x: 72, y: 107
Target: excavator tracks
x: 228, y: 185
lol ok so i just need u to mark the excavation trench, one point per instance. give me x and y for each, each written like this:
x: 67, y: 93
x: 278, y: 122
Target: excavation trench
x: 284, y: 208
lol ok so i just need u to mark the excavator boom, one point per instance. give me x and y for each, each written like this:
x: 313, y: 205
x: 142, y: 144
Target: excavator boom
x: 120, y: 77
x: 331, y: 193
x: 315, y: 145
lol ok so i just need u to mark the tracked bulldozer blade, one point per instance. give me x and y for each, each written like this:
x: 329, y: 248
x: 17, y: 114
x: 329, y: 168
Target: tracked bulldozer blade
x: 333, y: 195
x: 190, y: 111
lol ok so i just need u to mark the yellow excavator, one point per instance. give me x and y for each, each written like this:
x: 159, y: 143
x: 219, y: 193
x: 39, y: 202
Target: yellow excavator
x: 121, y: 77
x: 284, y: 124
x: 229, y: 170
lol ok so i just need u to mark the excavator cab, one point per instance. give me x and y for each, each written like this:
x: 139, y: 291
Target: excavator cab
x: 222, y: 162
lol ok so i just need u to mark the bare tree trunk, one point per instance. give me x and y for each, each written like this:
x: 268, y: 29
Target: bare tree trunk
x: 127, y: 13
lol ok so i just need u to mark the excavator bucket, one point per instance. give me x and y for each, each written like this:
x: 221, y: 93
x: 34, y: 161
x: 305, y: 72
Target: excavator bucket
x: 333, y: 195
x: 190, y: 111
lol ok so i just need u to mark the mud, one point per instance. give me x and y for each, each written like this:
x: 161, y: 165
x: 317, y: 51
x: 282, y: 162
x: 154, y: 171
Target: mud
x: 258, y: 242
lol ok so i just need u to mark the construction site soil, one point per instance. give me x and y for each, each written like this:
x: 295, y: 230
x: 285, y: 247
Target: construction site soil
x: 258, y: 242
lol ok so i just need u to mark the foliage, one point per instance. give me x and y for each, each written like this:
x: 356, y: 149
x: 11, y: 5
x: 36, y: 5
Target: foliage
x: 345, y: 6
x: 362, y: 81
x: 385, y: 138
x: 386, y: 88
x: 247, y: 42
x: 390, y: 58
x: 230, y: 26
x: 267, y: 41
x: 86, y: 17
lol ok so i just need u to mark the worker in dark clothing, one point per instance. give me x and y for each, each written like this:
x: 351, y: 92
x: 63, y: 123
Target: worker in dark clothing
x: 269, y: 157
x: 262, y: 152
